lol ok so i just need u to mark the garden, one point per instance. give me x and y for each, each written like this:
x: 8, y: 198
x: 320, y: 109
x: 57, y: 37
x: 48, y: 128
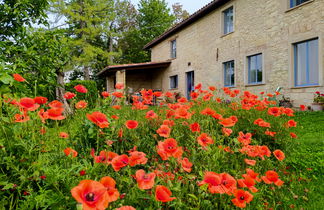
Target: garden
x: 223, y: 149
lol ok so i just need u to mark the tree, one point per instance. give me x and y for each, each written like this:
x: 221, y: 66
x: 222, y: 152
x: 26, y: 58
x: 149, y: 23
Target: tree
x: 179, y: 13
x: 154, y: 17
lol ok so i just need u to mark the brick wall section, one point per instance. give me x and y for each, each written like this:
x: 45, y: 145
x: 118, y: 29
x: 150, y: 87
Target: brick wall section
x: 260, y: 26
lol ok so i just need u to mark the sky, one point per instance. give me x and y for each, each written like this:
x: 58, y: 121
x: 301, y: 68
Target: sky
x: 190, y: 5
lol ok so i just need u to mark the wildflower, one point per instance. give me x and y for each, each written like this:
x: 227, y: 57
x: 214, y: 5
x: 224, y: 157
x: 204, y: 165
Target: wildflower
x: 118, y: 94
x: 21, y: 118
x: 119, y: 86
x: 186, y: 165
x: 81, y: 89
x: 117, y: 107
x: 64, y: 135
x: 28, y: 104
x: 272, y: 177
x: 242, y: 198
x: 303, y: 107
x: 144, y: 181
x: 131, y: 124
x: 169, y: 123
x: 69, y: 151
x: 105, y: 94
x: 105, y: 157
x: 119, y: 162
x: 81, y: 105
x: 195, y: 127
x: 219, y: 183
x: 212, y: 88
x: 126, y: 208
x: 279, y: 154
x: 69, y: 95
x: 92, y: 195
x: 275, y: 111
x: 291, y: 123
x: 204, y: 140
x: 270, y: 133
x: 245, y: 139
x: 293, y: 135
x: 182, y: 113
x: 55, y: 104
x: 164, y: 131
x: 227, y: 131
x: 99, y: 119
x: 169, y: 148
x: 163, y: 194
x: 260, y: 122
x: 55, y: 114
x: 18, y: 78
x: 248, y: 182
x: 82, y: 172
x: 40, y: 100
x: 137, y: 158
x: 151, y: 115
x: 110, y: 185
x: 250, y: 162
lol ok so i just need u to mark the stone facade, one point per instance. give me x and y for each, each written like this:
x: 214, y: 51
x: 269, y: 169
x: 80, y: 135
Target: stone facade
x: 260, y: 26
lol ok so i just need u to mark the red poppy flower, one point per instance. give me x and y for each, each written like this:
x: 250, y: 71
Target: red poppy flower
x: 250, y: 162
x: 204, y: 140
x: 131, y: 124
x: 242, y: 198
x: 69, y: 95
x: 119, y: 86
x: 28, y: 104
x: 99, y: 119
x: 291, y: 123
x: 270, y: 133
x: 260, y: 122
x: 186, y: 165
x: 169, y: 123
x: 272, y: 177
x: 275, y: 111
x: 105, y: 157
x: 198, y: 86
x: 302, y: 107
x: 21, y: 118
x: 248, y: 182
x: 212, y: 88
x: 227, y: 131
x: 245, y: 139
x: 195, y: 127
x: 252, y: 174
x: 293, y: 135
x: 81, y: 105
x: 208, y: 111
x: 82, y: 172
x: 105, y: 94
x: 164, y: 131
x: 40, y: 100
x: 227, y: 122
x: 144, y: 181
x: 43, y: 115
x: 219, y: 183
x: 169, y: 148
x: 119, y: 162
x: 81, y: 89
x: 110, y: 185
x: 69, y: 151
x: 64, y: 135
x: 194, y: 95
x: 18, y: 78
x: 126, y: 208
x: 163, y: 194
x: 55, y: 104
x: 212, y: 179
x: 55, y: 114
x: 182, y: 113
x: 92, y: 194
x: 151, y: 115
x: 118, y: 94
x: 279, y: 154
x: 136, y: 158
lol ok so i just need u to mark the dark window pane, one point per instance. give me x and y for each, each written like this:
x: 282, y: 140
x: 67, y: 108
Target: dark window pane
x: 255, y: 69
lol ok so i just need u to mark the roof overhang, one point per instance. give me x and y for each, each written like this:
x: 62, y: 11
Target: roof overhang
x: 191, y: 19
x: 134, y: 66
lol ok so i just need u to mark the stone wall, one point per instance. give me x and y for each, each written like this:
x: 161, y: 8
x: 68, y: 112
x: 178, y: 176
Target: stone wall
x: 260, y: 26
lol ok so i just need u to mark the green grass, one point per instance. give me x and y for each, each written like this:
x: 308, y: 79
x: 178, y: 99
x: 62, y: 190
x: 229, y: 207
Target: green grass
x: 307, y: 161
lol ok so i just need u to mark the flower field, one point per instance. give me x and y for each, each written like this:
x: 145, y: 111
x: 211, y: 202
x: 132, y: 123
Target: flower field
x: 223, y: 149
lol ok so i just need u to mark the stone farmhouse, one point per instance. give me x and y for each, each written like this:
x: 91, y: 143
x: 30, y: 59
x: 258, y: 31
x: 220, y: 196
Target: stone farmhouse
x: 254, y: 45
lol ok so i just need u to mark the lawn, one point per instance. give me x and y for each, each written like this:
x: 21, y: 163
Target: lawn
x: 307, y: 160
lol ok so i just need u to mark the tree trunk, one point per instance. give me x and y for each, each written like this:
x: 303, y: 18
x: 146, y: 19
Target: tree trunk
x: 86, y: 73
x: 60, y: 91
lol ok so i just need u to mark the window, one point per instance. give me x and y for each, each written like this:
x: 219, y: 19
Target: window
x: 255, y: 69
x: 306, y: 64
x: 174, y: 82
x: 294, y: 3
x: 228, y: 16
x: 229, y: 80
x: 174, y: 48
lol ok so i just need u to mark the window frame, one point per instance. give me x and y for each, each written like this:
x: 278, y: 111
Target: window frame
x: 176, y: 81
x: 292, y: 4
x: 248, y: 58
x: 223, y: 25
x: 224, y: 72
x: 173, y: 48
x: 295, y: 61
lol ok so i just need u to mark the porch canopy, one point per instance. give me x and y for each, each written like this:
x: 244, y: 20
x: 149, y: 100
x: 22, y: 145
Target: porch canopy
x: 135, y: 76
